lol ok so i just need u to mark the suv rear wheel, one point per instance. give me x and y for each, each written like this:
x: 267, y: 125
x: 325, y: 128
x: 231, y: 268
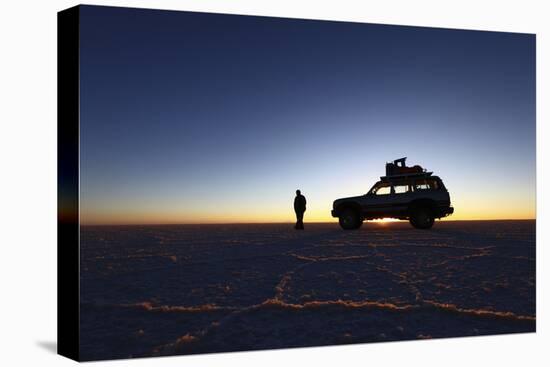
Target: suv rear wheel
x: 349, y: 219
x: 422, y: 218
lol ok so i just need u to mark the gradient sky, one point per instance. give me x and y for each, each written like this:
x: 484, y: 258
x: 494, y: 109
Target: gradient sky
x: 193, y: 117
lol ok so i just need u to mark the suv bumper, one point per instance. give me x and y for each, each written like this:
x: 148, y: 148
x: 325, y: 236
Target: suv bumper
x: 446, y: 211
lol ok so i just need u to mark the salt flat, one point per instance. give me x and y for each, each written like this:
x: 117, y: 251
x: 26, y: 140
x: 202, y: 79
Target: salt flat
x: 156, y: 290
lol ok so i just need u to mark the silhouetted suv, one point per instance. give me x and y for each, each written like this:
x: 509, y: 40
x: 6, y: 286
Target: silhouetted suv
x: 419, y: 198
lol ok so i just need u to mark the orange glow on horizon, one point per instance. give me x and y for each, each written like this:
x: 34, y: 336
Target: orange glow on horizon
x: 278, y: 209
x: 287, y: 216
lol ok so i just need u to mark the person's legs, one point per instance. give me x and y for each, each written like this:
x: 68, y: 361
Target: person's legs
x: 299, y: 220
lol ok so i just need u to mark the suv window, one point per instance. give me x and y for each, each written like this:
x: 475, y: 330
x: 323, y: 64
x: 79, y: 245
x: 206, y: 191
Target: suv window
x: 426, y: 184
x: 382, y: 189
x: 401, y: 189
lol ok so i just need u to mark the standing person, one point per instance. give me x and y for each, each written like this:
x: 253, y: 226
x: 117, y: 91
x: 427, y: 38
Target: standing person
x: 299, y: 208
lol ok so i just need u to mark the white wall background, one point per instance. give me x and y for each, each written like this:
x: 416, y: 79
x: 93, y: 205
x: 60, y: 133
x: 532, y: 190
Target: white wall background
x: 28, y: 181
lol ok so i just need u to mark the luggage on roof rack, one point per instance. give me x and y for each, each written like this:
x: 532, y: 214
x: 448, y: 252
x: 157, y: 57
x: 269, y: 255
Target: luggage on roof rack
x: 399, y: 168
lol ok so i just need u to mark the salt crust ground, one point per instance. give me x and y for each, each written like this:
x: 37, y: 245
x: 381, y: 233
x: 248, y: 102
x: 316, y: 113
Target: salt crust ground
x: 161, y: 290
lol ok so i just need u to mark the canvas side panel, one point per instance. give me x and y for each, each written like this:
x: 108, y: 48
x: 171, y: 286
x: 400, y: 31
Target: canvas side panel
x: 68, y: 337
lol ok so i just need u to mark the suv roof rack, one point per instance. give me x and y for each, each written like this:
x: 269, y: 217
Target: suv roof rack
x: 405, y: 176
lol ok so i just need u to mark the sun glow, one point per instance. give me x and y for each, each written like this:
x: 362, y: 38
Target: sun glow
x: 384, y: 220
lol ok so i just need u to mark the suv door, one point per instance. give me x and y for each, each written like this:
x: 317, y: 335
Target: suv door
x: 401, y: 198
x: 386, y: 199
x: 378, y: 199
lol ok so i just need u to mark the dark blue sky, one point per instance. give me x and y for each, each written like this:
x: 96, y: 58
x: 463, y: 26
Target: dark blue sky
x: 191, y: 117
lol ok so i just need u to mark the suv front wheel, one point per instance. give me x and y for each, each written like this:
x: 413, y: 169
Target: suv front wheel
x: 422, y: 218
x: 349, y: 219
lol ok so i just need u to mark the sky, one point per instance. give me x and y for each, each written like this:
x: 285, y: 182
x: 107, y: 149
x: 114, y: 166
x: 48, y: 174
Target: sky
x: 207, y: 118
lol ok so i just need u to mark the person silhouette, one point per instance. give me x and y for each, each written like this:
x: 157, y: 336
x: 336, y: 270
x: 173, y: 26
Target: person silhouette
x: 299, y: 208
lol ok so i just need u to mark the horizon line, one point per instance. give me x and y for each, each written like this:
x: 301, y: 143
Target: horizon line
x: 291, y: 222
